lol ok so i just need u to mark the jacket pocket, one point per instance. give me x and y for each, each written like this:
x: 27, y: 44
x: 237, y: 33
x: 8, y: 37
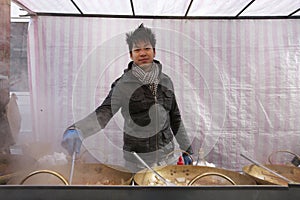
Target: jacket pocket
x: 136, y: 103
x: 168, y: 99
x: 138, y: 110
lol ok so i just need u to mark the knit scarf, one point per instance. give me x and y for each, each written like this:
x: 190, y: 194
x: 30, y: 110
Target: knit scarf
x: 148, y: 78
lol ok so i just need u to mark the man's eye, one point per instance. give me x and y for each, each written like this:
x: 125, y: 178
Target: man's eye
x: 148, y: 48
x: 136, y: 50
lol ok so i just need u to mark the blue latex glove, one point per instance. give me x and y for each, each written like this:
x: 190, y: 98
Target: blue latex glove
x: 187, y: 159
x: 71, y: 141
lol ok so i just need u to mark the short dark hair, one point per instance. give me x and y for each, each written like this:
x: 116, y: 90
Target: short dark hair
x: 140, y: 34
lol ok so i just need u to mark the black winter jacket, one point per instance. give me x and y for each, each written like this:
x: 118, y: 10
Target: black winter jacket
x: 150, y: 122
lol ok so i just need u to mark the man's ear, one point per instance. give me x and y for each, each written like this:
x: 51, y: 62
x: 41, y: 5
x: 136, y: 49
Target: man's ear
x: 130, y: 55
x: 154, y: 52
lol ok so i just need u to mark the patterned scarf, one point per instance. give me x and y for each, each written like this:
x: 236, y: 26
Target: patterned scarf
x: 148, y: 78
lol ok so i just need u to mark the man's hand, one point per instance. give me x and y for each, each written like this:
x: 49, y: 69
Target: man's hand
x: 187, y: 159
x: 71, y: 141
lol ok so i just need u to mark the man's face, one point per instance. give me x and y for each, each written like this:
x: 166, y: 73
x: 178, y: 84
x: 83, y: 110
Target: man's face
x: 142, y: 53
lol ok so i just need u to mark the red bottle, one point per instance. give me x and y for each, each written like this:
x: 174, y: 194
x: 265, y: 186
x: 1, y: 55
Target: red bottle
x: 180, y: 161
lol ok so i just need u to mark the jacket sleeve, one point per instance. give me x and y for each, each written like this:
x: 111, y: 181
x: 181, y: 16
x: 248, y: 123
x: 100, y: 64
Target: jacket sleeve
x: 98, y: 119
x: 109, y: 106
x: 178, y: 128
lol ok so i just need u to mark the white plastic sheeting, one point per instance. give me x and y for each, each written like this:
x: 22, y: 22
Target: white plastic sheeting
x: 165, y: 7
x: 237, y: 81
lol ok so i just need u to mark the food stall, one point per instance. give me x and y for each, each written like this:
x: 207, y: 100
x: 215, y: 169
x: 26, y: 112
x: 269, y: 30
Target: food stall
x: 235, y: 67
x: 94, y: 181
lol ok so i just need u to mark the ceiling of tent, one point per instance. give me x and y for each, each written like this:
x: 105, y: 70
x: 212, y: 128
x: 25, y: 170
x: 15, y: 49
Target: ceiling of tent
x: 165, y: 8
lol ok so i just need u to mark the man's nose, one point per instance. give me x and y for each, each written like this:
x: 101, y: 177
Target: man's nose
x: 143, y: 52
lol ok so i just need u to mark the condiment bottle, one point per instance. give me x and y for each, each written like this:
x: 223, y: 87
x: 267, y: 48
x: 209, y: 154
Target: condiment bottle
x: 180, y: 161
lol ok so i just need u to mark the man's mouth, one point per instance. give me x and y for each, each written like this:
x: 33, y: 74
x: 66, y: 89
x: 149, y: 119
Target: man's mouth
x: 144, y: 60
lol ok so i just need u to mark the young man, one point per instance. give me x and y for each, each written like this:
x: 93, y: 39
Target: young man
x: 147, y: 101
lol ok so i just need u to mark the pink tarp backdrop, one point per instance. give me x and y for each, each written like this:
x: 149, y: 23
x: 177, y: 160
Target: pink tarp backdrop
x: 237, y: 81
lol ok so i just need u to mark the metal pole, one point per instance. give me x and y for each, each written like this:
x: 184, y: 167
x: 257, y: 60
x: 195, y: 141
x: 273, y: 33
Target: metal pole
x: 5, y: 132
